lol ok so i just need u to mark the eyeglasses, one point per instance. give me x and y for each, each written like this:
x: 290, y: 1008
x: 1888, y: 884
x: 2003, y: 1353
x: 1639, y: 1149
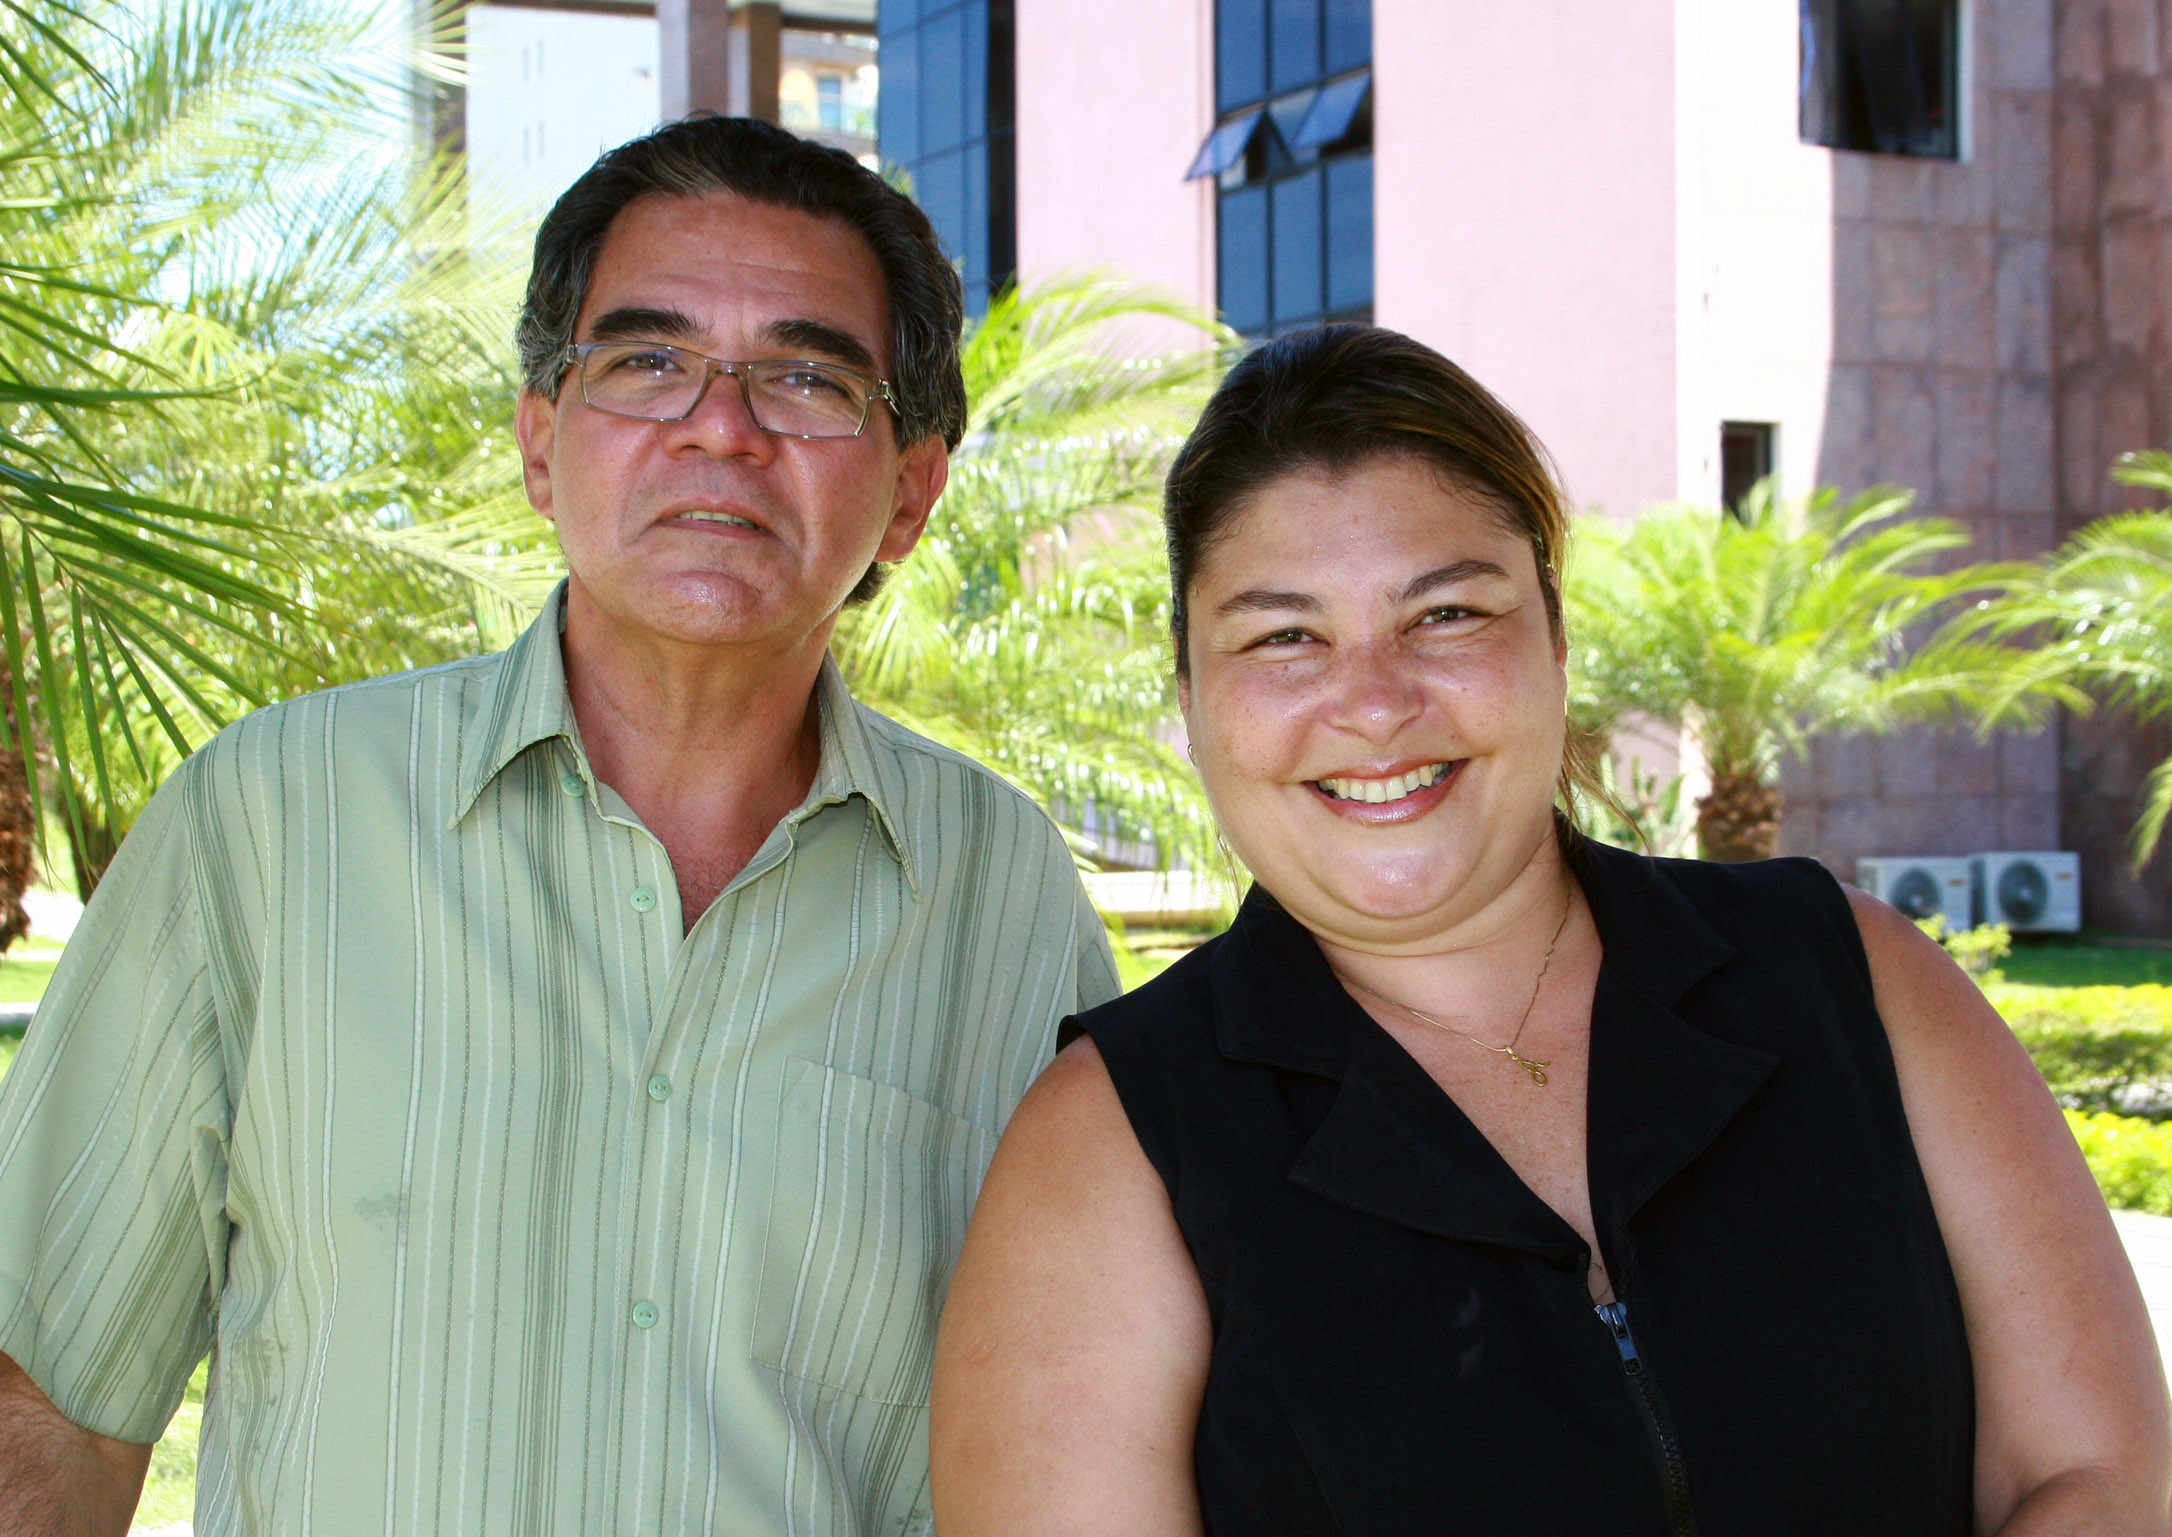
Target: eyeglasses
x: 790, y: 397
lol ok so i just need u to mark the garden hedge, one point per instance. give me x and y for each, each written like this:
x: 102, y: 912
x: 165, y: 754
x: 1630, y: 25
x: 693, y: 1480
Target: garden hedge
x: 2101, y: 1049
x: 2131, y: 1158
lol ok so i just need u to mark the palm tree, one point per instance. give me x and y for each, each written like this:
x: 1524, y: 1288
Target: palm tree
x: 2098, y: 611
x: 1031, y: 628
x: 217, y: 270
x: 1756, y: 631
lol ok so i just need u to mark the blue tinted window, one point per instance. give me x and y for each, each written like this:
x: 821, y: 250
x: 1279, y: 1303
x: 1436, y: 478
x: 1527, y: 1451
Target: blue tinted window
x: 1349, y: 34
x: 1243, y: 245
x: 942, y: 84
x: 945, y: 117
x: 1332, y: 112
x: 1350, y: 233
x: 939, y: 188
x: 897, y: 107
x: 1297, y: 252
x: 975, y: 248
x: 1240, y: 52
x: 1295, y: 47
x: 974, y: 71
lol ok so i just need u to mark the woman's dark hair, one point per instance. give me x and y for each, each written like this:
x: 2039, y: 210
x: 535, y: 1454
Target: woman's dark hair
x: 705, y: 153
x: 1336, y: 397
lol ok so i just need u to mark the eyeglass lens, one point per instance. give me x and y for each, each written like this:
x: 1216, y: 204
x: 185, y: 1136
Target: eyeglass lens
x: 664, y: 384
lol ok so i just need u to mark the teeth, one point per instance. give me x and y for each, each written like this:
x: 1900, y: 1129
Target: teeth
x: 717, y: 517
x: 1379, y: 791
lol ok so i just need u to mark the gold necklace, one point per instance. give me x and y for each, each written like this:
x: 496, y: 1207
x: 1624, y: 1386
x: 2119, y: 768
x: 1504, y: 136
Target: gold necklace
x: 1531, y: 1065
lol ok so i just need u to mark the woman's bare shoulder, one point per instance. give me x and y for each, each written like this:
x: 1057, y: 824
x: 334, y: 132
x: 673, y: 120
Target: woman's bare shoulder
x: 1074, y: 1345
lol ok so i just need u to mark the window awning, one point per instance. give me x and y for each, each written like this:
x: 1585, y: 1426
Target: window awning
x: 1333, y: 111
x: 1226, y: 145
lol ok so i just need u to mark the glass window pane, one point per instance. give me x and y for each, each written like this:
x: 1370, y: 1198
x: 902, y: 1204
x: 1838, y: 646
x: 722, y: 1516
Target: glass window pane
x: 942, y: 84
x: 1350, y: 234
x: 1297, y: 242
x: 1224, y: 147
x: 1332, y: 112
x: 897, y: 104
x: 1242, y: 237
x: 1349, y: 34
x: 1296, y: 46
x: 973, y: 74
x: 939, y: 189
x: 973, y: 244
x: 1240, y: 52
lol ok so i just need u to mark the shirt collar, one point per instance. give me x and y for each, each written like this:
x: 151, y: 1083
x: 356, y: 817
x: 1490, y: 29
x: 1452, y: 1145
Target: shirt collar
x: 526, y: 702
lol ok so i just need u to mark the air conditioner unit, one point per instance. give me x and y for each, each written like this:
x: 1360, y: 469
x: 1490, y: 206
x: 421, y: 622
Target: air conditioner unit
x: 2030, y: 893
x: 1921, y: 887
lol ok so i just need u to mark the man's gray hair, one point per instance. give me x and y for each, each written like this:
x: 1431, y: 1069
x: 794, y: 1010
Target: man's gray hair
x: 762, y: 162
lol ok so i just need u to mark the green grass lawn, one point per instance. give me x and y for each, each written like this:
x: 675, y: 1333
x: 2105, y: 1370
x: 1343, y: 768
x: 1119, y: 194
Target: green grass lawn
x: 23, y: 981
x: 2063, y: 962
x: 169, y: 1489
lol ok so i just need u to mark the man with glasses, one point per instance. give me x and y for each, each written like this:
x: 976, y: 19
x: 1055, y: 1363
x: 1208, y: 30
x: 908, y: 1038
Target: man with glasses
x: 553, y: 1085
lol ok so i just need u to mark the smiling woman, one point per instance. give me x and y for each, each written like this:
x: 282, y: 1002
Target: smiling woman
x: 1472, y: 1146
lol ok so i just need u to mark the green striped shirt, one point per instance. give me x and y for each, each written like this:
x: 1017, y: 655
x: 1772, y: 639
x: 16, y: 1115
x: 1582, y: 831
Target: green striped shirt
x: 380, y: 1067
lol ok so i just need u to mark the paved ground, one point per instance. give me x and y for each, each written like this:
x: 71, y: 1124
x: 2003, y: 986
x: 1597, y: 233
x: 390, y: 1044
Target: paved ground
x: 2149, y: 1246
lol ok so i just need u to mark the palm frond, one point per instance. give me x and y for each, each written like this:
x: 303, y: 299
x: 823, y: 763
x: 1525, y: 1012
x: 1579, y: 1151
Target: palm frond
x: 1789, y: 621
x: 1030, y: 629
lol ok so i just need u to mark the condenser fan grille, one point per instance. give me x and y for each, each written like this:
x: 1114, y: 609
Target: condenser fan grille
x: 2023, y: 893
x: 1916, y: 894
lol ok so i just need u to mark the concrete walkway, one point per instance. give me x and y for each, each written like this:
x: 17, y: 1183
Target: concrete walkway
x: 2149, y: 1248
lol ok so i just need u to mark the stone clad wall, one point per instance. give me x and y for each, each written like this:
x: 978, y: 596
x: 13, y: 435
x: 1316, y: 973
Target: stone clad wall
x: 1942, y: 380
x: 1999, y: 338
x: 2111, y: 282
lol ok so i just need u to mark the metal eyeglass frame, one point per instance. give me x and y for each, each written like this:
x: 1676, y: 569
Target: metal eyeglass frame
x: 576, y: 357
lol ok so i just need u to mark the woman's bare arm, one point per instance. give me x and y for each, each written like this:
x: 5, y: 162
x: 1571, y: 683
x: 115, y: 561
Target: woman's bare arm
x: 1074, y: 1346
x: 56, y: 1478
x: 2071, y: 1414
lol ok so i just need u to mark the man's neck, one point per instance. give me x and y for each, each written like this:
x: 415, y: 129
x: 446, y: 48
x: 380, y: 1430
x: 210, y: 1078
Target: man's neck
x: 709, y: 745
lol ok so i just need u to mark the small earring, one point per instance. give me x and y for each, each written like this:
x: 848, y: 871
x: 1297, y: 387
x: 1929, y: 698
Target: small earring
x: 1191, y: 751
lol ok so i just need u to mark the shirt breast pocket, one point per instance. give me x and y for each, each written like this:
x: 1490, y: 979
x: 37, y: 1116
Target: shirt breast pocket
x: 871, y: 1194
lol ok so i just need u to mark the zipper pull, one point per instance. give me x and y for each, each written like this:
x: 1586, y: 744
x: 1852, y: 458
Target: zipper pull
x: 1615, y: 1315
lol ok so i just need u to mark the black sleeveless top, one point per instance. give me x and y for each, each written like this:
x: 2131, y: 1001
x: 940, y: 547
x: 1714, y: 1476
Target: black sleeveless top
x: 1403, y: 1339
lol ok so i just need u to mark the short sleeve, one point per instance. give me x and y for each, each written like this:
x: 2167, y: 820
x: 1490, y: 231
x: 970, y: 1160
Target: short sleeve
x: 113, y: 1134
x: 1097, y: 980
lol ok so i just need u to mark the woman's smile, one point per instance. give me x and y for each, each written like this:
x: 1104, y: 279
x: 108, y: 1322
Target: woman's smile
x: 1402, y: 796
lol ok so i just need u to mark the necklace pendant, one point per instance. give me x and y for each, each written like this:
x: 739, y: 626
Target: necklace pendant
x: 1536, y: 1069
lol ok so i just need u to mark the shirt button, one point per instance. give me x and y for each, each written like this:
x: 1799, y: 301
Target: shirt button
x: 659, y: 1088
x: 644, y: 1315
x: 572, y: 785
x: 643, y: 898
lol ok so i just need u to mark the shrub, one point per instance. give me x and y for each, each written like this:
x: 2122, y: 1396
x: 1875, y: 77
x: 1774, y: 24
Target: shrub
x: 1976, y: 951
x: 2094, y: 1045
x: 2131, y: 1158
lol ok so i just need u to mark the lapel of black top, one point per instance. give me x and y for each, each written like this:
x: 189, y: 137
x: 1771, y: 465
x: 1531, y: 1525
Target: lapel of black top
x: 1661, y: 1089
x: 1396, y: 1147
x: 1392, y: 1145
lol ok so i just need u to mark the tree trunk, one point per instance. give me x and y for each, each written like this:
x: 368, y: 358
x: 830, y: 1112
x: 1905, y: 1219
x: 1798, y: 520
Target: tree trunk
x: 90, y: 852
x: 1738, y: 820
x: 18, y: 832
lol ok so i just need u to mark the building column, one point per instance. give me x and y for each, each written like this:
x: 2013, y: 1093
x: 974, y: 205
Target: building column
x: 719, y: 56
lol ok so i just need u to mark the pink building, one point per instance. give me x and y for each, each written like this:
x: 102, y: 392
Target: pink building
x: 1611, y: 214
